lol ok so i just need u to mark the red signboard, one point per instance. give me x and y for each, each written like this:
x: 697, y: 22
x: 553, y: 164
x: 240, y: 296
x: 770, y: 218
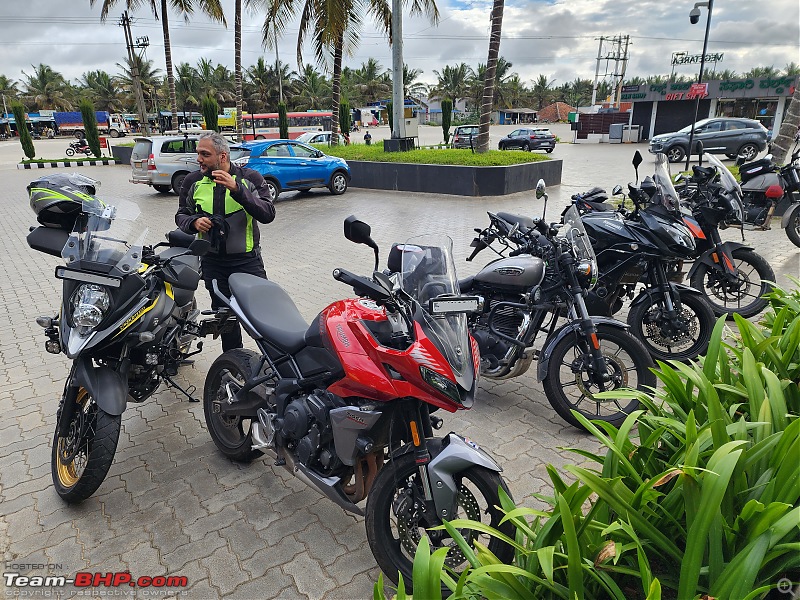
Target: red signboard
x: 698, y: 89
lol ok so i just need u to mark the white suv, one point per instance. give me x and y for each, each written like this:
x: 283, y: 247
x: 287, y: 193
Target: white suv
x: 192, y: 127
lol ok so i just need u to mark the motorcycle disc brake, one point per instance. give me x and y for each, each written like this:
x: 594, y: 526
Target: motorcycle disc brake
x: 667, y: 335
x: 616, y: 368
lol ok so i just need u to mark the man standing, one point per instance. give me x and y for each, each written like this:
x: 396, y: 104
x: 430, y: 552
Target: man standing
x: 223, y: 202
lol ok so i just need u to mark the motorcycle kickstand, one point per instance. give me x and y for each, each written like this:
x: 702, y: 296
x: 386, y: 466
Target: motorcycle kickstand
x: 188, y: 393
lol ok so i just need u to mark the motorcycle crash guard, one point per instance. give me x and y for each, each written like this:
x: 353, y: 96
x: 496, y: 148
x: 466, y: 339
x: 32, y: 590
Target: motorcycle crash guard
x: 108, y: 388
x: 568, y: 329
x: 789, y: 215
x: 706, y: 259
x: 452, y: 455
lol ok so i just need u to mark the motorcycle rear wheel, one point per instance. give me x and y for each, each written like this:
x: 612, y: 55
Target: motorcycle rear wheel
x: 394, y: 539
x: 80, y: 461
x: 568, y: 387
x: 230, y: 433
x: 727, y: 302
x: 69, y: 152
x: 645, y: 320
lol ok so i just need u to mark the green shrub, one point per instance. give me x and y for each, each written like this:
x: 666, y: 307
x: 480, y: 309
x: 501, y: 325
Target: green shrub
x: 90, y: 126
x: 702, y: 501
x: 22, y: 127
x: 447, y: 117
x: 390, y: 115
x: 447, y: 156
x: 283, y: 121
x: 210, y: 109
x: 344, y: 119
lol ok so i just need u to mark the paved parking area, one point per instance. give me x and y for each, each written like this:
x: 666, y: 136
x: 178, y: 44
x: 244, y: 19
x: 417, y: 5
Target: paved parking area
x: 171, y: 505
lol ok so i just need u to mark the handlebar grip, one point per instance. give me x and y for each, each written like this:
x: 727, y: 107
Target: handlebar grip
x: 345, y: 277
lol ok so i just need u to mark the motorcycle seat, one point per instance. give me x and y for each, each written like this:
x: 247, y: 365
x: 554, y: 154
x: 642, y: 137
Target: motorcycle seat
x: 465, y: 285
x: 270, y: 311
x: 599, y: 206
x: 522, y: 221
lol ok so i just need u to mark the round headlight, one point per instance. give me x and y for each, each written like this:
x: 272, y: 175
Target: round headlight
x: 89, y: 303
x: 587, y: 271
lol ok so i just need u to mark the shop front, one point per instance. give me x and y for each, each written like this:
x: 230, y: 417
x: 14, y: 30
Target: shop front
x: 667, y: 107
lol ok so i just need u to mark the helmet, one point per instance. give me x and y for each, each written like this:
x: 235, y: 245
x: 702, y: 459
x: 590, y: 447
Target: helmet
x: 58, y: 199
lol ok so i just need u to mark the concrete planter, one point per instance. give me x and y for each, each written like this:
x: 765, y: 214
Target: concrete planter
x: 456, y: 180
x: 122, y: 154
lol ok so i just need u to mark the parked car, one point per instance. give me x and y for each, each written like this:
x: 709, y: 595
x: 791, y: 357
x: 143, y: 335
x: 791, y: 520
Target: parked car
x: 529, y: 138
x: 723, y: 135
x: 190, y: 127
x: 162, y: 161
x: 465, y: 136
x: 318, y: 137
x: 292, y: 165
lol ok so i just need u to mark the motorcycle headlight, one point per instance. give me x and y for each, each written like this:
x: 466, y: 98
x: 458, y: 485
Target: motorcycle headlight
x: 89, y: 305
x: 586, y: 270
x: 682, y: 237
x: 440, y: 383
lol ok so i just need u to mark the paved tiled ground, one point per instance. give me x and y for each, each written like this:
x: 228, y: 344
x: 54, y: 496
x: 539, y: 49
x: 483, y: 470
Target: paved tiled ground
x: 171, y: 505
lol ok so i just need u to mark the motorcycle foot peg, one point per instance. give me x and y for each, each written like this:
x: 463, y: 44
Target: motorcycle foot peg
x: 436, y: 422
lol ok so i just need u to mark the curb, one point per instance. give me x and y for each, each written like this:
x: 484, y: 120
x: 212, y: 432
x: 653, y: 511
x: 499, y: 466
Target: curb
x: 68, y: 163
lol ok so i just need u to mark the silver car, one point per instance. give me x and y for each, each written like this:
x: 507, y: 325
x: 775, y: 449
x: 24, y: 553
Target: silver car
x: 162, y: 161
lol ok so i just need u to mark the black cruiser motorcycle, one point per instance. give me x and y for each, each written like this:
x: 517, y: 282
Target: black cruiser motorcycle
x: 127, y: 320
x: 545, y: 273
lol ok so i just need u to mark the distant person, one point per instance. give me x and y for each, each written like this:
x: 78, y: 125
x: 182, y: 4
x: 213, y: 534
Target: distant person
x: 368, y: 139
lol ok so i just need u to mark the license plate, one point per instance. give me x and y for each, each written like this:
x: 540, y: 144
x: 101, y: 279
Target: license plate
x: 64, y: 273
x: 445, y: 306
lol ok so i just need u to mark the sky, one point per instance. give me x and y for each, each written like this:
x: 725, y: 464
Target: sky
x: 555, y: 38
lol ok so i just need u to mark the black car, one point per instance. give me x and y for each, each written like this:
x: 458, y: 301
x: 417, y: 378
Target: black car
x: 529, y: 138
x: 724, y: 135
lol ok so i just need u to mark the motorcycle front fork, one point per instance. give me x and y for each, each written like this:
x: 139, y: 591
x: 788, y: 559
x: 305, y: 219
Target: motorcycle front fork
x: 599, y: 367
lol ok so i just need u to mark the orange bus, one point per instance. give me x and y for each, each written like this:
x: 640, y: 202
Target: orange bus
x: 264, y: 126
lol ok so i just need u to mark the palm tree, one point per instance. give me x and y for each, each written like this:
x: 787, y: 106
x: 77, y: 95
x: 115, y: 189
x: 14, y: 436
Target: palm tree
x: 187, y: 88
x: 791, y: 69
x: 312, y: 90
x: 542, y: 90
x: 46, y: 88
x: 185, y: 8
x: 149, y: 77
x: 727, y: 74
x: 789, y: 129
x: 372, y: 81
x: 215, y: 81
x: 8, y: 89
x: 491, y: 73
x: 412, y: 87
x: 103, y: 90
x: 758, y: 72
x: 453, y: 82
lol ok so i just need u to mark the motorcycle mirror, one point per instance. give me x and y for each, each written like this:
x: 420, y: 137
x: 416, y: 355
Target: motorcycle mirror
x: 637, y: 160
x: 359, y: 232
x: 617, y: 190
x: 540, y: 189
x: 200, y: 247
x: 700, y: 150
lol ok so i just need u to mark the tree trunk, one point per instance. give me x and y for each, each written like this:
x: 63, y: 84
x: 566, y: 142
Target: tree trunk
x: 237, y: 65
x: 491, y: 70
x: 173, y: 103
x: 337, y: 81
x: 788, y: 130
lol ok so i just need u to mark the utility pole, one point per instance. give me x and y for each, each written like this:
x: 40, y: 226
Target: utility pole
x: 398, y: 99
x: 125, y: 23
x: 624, y: 67
x: 597, y: 71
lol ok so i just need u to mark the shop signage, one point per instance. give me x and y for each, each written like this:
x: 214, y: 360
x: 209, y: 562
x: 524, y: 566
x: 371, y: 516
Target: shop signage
x: 691, y: 59
x: 627, y: 89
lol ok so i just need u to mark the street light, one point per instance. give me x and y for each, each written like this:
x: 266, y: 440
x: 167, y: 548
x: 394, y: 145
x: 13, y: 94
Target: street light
x: 694, y: 18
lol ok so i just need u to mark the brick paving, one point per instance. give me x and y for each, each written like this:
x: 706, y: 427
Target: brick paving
x: 171, y: 504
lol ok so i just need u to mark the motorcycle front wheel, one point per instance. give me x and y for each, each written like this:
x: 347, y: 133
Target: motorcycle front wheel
x: 394, y: 537
x: 70, y: 152
x: 662, y: 340
x: 744, y: 296
x: 793, y: 227
x: 80, y: 460
x: 569, y: 385
x: 230, y: 433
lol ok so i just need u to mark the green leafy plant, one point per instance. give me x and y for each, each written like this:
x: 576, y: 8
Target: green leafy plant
x: 390, y: 115
x: 344, y: 119
x: 431, y: 156
x: 447, y: 117
x: 22, y: 127
x: 283, y: 121
x: 210, y: 109
x: 702, y: 501
x: 90, y: 126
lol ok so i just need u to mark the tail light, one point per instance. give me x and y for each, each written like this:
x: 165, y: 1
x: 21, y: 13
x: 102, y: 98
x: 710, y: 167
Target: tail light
x: 151, y: 163
x: 774, y: 191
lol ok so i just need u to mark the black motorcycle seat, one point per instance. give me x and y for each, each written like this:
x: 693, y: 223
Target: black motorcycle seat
x: 522, y: 221
x: 465, y: 285
x: 270, y: 310
x: 599, y: 206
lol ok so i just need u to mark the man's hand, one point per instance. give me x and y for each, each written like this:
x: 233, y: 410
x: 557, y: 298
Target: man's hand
x: 203, y: 224
x: 224, y: 178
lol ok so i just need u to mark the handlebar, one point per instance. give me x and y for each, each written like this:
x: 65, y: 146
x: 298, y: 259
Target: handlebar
x: 361, y: 285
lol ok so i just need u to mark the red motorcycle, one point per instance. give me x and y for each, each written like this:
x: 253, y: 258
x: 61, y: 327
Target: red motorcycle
x: 346, y: 403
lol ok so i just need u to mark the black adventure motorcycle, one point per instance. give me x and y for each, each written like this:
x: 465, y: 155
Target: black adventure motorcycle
x: 127, y: 320
x: 547, y: 277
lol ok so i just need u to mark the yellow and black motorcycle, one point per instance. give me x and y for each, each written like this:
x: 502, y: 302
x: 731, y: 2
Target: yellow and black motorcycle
x: 127, y: 319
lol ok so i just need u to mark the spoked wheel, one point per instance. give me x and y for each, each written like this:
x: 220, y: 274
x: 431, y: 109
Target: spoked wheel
x: 570, y: 384
x: 80, y: 460
x: 684, y: 339
x: 395, y: 525
x: 742, y: 295
x: 231, y: 433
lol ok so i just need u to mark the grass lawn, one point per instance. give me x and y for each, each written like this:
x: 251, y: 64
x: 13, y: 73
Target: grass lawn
x: 375, y: 153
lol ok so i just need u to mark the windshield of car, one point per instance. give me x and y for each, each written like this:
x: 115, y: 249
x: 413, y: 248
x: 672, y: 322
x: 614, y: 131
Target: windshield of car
x: 428, y: 271
x: 107, y: 238
x: 697, y: 125
x: 240, y: 156
x: 305, y: 137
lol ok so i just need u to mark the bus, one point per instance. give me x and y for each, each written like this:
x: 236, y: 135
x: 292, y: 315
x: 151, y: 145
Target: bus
x: 264, y: 126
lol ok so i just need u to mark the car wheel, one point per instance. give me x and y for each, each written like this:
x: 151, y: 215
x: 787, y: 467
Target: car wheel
x: 501, y: 146
x: 676, y: 154
x: 549, y: 150
x: 114, y: 133
x: 79, y: 133
x: 163, y: 189
x: 731, y: 156
x: 260, y: 137
x: 748, y: 152
x: 338, y: 184
x: 177, y: 181
x: 274, y: 188
x: 526, y: 147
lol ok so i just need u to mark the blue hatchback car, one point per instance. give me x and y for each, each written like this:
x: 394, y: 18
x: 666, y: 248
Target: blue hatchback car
x: 289, y: 165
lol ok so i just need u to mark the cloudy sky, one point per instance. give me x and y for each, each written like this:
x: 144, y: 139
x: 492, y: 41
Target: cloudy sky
x: 556, y: 38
